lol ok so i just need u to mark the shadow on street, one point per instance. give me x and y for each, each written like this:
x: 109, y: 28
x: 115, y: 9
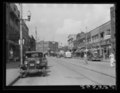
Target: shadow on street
x: 40, y: 73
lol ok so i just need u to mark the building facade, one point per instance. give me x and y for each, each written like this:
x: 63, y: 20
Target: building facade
x: 53, y: 46
x: 12, y: 30
x: 113, y: 30
x: 81, y: 37
x: 42, y: 46
x: 96, y: 40
x: 71, y: 39
x: 105, y: 37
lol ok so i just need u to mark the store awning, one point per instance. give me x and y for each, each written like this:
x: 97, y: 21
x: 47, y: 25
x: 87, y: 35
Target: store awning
x: 11, y: 42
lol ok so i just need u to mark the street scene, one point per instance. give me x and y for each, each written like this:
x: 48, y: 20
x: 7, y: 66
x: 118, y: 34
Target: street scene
x: 60, y: 44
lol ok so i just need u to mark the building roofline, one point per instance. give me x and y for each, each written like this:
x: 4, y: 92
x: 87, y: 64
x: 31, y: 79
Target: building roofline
x: 100, y: 26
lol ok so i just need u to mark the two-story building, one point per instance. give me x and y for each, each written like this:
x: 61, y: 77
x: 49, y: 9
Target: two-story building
x: 96, y: 40
x: 105, y: 36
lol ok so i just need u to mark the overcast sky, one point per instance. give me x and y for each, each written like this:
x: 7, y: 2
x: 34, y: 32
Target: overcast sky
x: 57, y: 21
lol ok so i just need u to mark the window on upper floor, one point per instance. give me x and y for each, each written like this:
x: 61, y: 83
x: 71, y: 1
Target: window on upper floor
x: 102, y: 35
x: 108, y: 32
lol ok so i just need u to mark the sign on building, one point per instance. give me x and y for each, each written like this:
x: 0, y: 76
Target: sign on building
x: 107, y: 37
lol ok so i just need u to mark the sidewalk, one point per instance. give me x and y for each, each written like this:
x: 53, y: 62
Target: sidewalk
x: 101, y: 67
x: 12, y: 72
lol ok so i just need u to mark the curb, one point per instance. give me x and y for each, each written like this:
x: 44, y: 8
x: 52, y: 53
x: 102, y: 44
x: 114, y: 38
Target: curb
x: 15, y: 80
x: 100, y: 61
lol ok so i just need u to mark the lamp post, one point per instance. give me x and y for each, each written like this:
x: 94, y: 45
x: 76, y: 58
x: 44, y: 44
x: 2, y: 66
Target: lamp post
x: 21, y: 34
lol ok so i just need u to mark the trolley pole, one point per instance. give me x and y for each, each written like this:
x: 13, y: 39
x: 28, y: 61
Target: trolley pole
x: 36, y: 37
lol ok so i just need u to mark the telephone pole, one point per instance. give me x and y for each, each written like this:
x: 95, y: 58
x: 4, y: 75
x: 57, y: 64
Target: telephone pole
x: 36, y: 36
x: 21, y: 34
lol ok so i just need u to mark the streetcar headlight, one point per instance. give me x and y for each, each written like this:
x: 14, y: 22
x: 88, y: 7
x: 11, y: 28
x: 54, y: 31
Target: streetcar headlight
x: 38, y: 62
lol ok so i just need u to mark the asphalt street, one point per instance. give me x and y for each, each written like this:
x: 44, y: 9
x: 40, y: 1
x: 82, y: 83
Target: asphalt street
x: 61, y: 71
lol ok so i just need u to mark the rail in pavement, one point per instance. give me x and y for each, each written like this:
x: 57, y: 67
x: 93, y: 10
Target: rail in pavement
x: 100, y: 67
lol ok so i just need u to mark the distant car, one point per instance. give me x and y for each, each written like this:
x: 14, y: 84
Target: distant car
x: 68, y: 54
x: 33, y: 62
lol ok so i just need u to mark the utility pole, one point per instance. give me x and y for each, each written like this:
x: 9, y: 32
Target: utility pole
x: 43, y: 45
x: 36, y: 37
x: 21, y: 34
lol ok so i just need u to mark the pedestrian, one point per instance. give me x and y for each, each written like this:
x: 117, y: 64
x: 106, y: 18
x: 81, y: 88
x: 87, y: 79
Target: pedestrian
x: 85, y: 58
x: 112, y: 59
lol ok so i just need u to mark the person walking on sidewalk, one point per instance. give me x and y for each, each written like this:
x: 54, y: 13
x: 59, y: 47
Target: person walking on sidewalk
x: 112, y: 59
x: 85, y: 58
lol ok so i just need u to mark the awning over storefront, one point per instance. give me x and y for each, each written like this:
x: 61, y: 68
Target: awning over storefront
x: 11, y: 42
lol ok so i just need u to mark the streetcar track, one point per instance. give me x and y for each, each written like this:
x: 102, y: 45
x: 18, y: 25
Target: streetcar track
x: 83, y: 74
x: 92, y: 70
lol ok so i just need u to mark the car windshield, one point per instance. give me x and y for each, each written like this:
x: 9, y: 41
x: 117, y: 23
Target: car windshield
x: 33, y: 55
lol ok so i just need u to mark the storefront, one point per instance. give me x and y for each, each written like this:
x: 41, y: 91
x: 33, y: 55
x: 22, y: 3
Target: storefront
x: 12, y: 51
x: 105, y: 48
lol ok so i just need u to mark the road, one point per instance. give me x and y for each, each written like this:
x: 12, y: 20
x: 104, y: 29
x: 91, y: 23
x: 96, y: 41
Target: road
x: 62, y: 72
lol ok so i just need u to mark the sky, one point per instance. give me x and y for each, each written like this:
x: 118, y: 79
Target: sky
x: 54, y: 22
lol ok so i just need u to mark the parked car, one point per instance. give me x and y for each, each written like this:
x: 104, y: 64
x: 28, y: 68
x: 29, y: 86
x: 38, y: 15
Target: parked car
x: 95, y: 57
x: 33, y: 62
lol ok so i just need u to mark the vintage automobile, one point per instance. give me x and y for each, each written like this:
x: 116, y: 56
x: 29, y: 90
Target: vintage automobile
x: 33, y: 61
x: 94, y: 57
x: 68, y: 54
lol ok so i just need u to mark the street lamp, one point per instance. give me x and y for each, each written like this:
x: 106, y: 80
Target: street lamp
x: 21, y: 37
